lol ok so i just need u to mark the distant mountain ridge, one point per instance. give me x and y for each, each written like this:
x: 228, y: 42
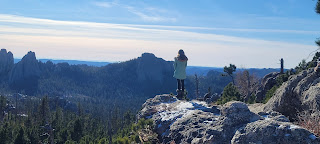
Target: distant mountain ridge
x: 259, y: 72
x: 72, y: 62
x: 113, y: 84
x: 191, y: 70
x: 125, y: 84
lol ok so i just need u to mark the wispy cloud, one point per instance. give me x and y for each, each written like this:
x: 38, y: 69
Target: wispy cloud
x: 119, y: 42
x: 36, y: 21
x: 150, y: 14
x: 146, y: 13
x: 104, y: 4
x: 288, y: 31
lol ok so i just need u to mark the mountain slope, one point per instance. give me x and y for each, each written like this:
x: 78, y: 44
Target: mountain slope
x: 125, y: 85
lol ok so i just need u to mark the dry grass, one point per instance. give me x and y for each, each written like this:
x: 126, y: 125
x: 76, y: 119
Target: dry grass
x: 310, y: 121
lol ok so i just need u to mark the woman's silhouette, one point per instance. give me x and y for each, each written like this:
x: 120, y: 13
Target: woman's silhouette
x: 180, y: 64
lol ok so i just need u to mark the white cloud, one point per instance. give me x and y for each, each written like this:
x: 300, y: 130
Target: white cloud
x: 150, y: 18
x: 119, y: 42
x: 150, y: 14
x: 104, y: 4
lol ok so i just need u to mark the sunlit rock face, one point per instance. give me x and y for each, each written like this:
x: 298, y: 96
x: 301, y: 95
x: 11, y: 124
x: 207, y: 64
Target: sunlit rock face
x: 267, y: 82
x: 300, y: 93
x: 196, y: 122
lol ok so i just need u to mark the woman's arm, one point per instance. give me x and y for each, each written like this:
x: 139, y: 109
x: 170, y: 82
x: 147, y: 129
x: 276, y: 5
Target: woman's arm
x: 175, y: 64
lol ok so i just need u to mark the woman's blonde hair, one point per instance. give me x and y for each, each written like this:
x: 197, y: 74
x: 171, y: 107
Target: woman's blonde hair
x: 181, y: 55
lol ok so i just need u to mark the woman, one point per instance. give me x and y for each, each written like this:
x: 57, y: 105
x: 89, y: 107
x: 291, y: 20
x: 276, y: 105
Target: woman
x: 180, y: 64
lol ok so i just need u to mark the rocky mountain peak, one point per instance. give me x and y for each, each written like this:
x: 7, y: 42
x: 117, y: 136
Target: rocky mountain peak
x: 179, y: 121
x: 152, y: 68
x: 6, y: 62
x: 148, y: 56
x: 25, y: 73
x: 30, y: 56
x: 3, y: 51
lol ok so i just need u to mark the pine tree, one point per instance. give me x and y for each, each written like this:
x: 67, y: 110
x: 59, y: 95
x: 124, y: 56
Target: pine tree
x: 229, y: 70
x: 33, y: 135
x: 20, y: 139
x: 77, y: 130
x: 44, y: 111
x: 230, y: 93
x: 3, y: 103
x: 4, y: 136
x: 58, y: 119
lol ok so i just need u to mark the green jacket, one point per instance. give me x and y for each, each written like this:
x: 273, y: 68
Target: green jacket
x: 180, y: 69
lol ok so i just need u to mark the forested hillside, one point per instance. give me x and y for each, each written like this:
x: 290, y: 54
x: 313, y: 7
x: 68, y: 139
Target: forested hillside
x: 81, y: 102
x: 127, y: 84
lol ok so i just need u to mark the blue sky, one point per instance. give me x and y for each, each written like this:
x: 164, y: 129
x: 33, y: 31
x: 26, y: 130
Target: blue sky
x: 248, y: 33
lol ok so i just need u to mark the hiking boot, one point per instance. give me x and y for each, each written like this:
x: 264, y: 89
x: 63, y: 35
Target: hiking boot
x: 179, y: 94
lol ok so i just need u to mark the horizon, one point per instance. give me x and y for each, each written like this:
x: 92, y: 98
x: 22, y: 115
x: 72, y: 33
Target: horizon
x: 109, y: 62
x: 213, y: 33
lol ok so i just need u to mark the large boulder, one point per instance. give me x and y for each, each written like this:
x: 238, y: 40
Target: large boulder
x: 6, y: 62
x: 267, y: 82
x: 273, y: 132
x: 196, y: 122
x: 237, y: 113
x: 148, y: 107
x: 25, y: 74
x: 300, y: 93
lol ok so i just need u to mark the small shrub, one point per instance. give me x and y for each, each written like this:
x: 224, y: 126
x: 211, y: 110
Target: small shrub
x: 121, y: 140
x: 131, y: 134
x: 103, y: 141
x: 310, y: 121
x: 136, y: 139
x: 230, y: 93
x: 252, y: 99
x: 282, y: 78
x: 270, y: 93
x: 302, y: 66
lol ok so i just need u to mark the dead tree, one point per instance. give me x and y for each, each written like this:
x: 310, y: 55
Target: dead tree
x: 281, y: 64
x: 197, y: 85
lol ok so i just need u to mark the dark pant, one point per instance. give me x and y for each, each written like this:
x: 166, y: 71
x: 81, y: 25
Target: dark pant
x: 180, y: 84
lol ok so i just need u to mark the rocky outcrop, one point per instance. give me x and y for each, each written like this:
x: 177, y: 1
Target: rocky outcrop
x: 25, y: 74
x: 209, y: 98
x: 27, y: 67
x: 273, y: 132
x: 267, y: 82
x: 181, y: 121
x: 152, y: 68
x: 300, y: 93
x: 6, y: 62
